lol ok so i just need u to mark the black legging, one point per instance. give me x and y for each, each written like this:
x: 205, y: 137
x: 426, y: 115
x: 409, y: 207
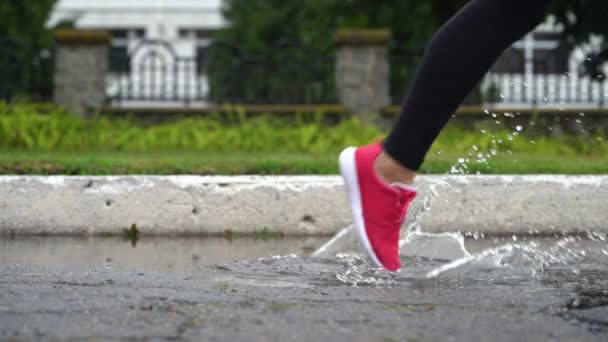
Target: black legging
x: 456, y: 59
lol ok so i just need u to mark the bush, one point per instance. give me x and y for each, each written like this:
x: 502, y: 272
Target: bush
x: 44, y: 127
x: 47, y: 128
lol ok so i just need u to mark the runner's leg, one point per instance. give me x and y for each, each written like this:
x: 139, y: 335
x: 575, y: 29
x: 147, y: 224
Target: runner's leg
x: 456, y: 59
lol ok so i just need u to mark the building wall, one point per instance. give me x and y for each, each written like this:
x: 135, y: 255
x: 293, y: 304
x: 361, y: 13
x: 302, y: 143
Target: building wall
x: 159, y: 19
x: 187, y: 25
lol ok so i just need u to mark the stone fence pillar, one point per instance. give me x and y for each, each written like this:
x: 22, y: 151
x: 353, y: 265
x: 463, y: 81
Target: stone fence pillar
x: 81, y: 67
x: 362, y: 71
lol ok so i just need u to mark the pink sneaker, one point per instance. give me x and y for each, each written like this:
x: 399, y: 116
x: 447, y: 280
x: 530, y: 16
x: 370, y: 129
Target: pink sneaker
x: 378, y: 208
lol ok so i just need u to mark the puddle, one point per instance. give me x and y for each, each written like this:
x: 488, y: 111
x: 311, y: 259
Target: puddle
x: 452, y: 255
x: 428, y: 259
x: 158, y: 254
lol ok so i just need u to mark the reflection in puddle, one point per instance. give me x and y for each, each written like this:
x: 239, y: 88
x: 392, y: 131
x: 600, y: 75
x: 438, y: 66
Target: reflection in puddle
x: 180, y: 255
x: 428, y: 259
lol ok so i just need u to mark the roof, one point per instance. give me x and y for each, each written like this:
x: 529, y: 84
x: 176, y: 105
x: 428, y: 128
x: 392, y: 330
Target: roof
x: 82, y: 10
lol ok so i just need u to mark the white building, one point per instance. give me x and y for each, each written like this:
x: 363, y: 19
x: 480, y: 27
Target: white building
x: 534, y: 70
x: 186, y: 25
x: 537, y: 70
x: 170, y: 20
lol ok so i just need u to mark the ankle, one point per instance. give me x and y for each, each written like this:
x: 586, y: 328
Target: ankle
x: 391, y: 171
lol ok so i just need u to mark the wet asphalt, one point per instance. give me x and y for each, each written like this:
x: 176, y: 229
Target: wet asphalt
x: 309, y: 299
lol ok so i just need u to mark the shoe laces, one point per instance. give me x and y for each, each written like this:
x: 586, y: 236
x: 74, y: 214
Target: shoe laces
x: 402, y: 202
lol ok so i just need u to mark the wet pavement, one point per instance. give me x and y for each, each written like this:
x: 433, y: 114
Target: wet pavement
x: 450, y: 289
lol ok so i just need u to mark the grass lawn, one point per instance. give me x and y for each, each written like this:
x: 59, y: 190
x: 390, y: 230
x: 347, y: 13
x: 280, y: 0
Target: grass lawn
x: 185, y: 162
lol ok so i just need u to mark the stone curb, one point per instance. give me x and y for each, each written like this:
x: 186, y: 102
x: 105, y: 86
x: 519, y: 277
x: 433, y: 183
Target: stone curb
x: 293, y: 205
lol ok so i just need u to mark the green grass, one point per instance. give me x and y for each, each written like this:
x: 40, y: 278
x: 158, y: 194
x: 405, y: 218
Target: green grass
x: 166, y: 163
x: 30, y: 127
x: 44, y: 139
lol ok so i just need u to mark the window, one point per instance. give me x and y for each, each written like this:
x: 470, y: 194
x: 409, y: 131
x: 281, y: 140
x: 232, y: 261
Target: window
x: 204, y: 34
x: 119, y: 59
x: 198, y: 34
x: 511, y: 62
x: 122, y: 39
x: 551, y: 61
x: 548, y: 56
x: 551, y: 36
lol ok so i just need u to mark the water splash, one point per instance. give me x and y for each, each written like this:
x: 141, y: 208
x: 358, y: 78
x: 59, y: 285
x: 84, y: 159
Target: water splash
x: 529, y: 257
x: 359, y: 272
x: 343, y: 235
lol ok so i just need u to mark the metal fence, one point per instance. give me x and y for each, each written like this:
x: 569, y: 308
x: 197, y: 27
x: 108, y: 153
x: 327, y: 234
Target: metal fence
x: 544, y: 90
x: 153, y: 74
x: 25, y: 71
x: 569, y: 90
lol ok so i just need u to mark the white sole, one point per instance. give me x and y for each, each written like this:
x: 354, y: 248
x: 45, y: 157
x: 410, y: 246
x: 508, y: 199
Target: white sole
x: 348, y: 169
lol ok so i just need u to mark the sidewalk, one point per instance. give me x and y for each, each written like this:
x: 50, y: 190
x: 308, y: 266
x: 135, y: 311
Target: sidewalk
x: 293, y: 205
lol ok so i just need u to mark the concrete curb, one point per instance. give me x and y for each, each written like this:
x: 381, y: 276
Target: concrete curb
x: 298, y: 205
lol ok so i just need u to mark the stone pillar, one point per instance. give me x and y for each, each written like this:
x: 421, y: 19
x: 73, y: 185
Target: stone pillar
x: 362, y: 72
x: 81, y: 67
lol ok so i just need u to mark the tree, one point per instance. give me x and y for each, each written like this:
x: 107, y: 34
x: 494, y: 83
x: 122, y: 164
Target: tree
x: 24, y: 47
x: 260, y: 27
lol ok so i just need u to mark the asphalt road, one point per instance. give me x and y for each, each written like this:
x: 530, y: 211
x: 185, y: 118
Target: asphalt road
x: 307, y: 299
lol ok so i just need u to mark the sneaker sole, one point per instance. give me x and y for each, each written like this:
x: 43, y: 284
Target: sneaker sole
x: 348, y: 169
